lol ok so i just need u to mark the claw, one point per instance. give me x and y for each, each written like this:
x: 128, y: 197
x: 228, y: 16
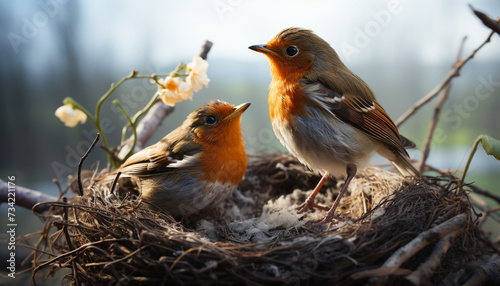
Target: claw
x: 326, y: 219
x: 351, y: 171
x: 309, y: 203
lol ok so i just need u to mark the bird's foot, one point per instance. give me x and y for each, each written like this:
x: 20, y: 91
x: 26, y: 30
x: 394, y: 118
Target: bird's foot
x: 326, y: 219
x: 309, y: 204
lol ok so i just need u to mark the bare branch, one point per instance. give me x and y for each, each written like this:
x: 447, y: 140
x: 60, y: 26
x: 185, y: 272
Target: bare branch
x: 487, y: 273
x: 205, y: 49
x: 25, y: 197
x: 426, y: 270
x: 455, y: 71
x: 423, y: 239
x: 437, y: 111
x: 487, y: 21
x: 485, y: 193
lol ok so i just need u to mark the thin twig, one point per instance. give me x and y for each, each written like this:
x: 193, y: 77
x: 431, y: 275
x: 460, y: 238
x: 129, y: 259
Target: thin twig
x: 69, y: 242
x: 485, y: 193
x: 114, y: 182
x: 437, y: 111
x: 455, y: 71
x: 77, y: 250
x: 485, y: 208
x: 80, y: 186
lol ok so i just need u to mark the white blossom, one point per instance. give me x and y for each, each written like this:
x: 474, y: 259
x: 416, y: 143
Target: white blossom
x: 70, y: 116
x: 197, y: 77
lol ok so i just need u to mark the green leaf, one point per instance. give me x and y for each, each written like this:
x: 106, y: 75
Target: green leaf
x: 491, y: 146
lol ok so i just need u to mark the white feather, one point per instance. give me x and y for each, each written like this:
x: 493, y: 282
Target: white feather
x: 186, y: 161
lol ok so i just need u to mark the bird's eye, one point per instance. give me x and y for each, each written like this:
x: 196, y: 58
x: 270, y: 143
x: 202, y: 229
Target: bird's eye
x: 292, y: 51
x: 210, y: 120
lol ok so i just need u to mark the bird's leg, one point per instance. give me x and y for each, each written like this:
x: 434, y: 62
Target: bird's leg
x: 309, y: 203
x: 351, y: 172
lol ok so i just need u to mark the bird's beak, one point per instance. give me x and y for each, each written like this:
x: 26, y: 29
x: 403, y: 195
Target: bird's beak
x: 238, y: 110
x: 262, y: 49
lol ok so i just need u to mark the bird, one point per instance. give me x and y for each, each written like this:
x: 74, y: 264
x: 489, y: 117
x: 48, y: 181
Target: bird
x: 193, y: 168
x: 326, y: 115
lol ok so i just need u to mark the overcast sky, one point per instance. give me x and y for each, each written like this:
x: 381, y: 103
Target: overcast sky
x: 427, y: 31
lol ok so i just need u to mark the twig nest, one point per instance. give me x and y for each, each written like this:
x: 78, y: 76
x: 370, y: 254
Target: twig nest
x: 257, y: 237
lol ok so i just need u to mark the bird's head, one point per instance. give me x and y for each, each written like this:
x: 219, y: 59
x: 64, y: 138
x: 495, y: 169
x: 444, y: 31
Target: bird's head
x: 217, y: 122
x: 295, y: 51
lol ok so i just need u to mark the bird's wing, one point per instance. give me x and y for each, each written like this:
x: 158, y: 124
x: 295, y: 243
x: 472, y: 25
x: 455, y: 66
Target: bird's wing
x: 364, y: 114
x: 163, y: 156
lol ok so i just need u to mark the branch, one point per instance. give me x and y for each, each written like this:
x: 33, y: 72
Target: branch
x: 423, y: 239
x: 487, y: 21
x: 153, y: 119
x: 391, y: 265
x: 205, y: 49
x: 25, y: 197
x: 485, y: 193
x: 437, y: 111
x: 426, y: 270
x: 455, y: 71
x: 80, y: 186
x: 487, y: 273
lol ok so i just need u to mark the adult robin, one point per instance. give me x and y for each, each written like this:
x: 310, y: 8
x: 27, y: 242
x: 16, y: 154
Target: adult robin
x: 196, y: 166
x: 326, y: 115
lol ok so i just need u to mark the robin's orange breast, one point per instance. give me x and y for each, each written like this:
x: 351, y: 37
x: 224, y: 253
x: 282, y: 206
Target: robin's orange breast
x: 285, y: 99
x: 223, y: 164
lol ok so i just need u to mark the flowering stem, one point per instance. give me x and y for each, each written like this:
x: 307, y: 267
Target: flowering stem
x: 130, y: 123
x: 151, y: 76
x: 98, y: 110
x: 138, y: 115
x: 95, y: 121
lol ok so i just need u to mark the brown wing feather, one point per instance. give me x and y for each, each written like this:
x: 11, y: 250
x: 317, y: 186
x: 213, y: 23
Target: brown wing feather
x: 147, y: 160
x: 158, y: 157
x: 367, y: 115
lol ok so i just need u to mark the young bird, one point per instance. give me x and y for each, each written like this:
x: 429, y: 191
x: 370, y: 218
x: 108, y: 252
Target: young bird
x: 196, y: 166
x: 325, y: 115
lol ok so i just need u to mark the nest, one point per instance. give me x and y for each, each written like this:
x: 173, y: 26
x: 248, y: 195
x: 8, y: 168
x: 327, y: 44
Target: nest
x: 389, y: 231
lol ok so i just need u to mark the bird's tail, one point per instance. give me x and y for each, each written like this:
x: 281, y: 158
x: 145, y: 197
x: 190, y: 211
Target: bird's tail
x: 404, y: 166
x: 400, y: 161
x: 407, y: 143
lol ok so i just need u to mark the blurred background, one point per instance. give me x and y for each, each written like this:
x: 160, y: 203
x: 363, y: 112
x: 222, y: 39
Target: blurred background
x: 52, y: 49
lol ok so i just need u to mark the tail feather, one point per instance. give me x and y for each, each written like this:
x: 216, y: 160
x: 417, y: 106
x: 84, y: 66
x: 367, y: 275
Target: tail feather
x: 404, y: 166
x: 407, y: 143
x: 400, y: 161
